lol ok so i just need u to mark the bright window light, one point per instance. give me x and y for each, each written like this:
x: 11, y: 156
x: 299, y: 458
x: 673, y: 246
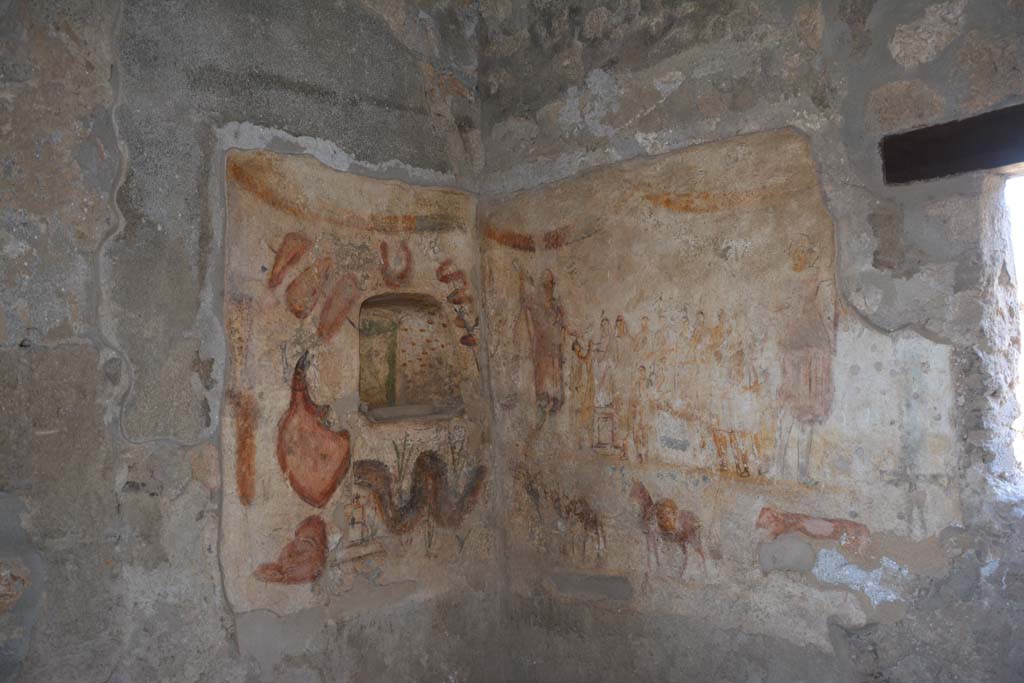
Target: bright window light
x: 1015, y: 205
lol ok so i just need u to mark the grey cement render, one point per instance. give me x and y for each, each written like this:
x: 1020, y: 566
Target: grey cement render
x: 114, y: 117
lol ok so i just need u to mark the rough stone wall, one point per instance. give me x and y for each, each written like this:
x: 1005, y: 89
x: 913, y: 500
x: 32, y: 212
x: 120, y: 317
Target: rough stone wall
x: 116, y: 118
x: 570, y: 86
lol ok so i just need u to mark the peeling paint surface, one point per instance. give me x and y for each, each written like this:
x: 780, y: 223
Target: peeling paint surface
x: 879, y: 585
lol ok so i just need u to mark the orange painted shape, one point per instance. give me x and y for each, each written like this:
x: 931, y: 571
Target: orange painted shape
x: 847, y: 532
x: 312, y: 456
x: 304, y: 291
x: 448, y: 273
x: 337, y: 306
x: 556, y: 239
x: 508, y: 238
x: 293, y: 247
x: 303, y: 559
x: 247, y: 416
x: 714, y: 202
x: 259, y: 176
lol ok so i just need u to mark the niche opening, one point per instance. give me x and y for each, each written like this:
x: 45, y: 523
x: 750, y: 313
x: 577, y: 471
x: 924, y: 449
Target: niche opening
x: 406, y: 368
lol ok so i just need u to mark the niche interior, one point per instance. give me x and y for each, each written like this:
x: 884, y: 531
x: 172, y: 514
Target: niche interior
x: 405, y: 359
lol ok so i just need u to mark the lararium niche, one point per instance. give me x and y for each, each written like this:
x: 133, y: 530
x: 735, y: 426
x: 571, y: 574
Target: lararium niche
x: 318, y: 496
x: 405, y: 358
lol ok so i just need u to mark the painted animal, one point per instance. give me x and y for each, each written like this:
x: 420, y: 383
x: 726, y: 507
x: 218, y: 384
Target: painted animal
x: 850, y: 534
x: 664, y: 522
x: 428, y: 496
x: 302, y: 560
x: 314, y: 457
x: 578, y: 511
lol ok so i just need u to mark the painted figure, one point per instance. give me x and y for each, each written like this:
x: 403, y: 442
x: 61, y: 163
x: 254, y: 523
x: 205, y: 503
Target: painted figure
x: 664, y: 522
x: 577, y: 518
x: 638, y: 408
x: 605, y: 428
x: 581, y: 383
x: 806, y: 388
x: 545, y: 321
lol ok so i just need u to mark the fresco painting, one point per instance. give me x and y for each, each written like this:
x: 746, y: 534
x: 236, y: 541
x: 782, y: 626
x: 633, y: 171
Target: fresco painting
x: 737, y: 367
x: 545, y: 324
x: 666, y: 352
x: 676, y: 377
x: 326, y: 270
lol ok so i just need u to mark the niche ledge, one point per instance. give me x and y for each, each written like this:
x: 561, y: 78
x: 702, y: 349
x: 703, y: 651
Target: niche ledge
x: 410, y: 412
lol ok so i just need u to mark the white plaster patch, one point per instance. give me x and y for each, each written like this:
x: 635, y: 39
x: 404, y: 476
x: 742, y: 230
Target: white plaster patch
x: 569, y: 113
x: 247, y: 135
x: 989, y: 569
x: 876, y: 584
x: 588, y: 107
x: 649, y: 142
x: 604, y: 99
x: 1007, y: 491
x: 923, y: 40
x: 668, y: 83
x: 867, y: 297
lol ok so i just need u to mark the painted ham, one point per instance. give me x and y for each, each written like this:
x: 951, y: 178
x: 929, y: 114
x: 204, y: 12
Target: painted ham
x: 314, y: 457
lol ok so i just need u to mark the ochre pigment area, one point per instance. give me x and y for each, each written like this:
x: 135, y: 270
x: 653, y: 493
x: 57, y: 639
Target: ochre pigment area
x: 346, y: 296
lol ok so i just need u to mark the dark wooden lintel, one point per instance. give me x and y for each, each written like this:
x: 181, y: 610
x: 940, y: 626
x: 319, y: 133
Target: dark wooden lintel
x: 987, y: 141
